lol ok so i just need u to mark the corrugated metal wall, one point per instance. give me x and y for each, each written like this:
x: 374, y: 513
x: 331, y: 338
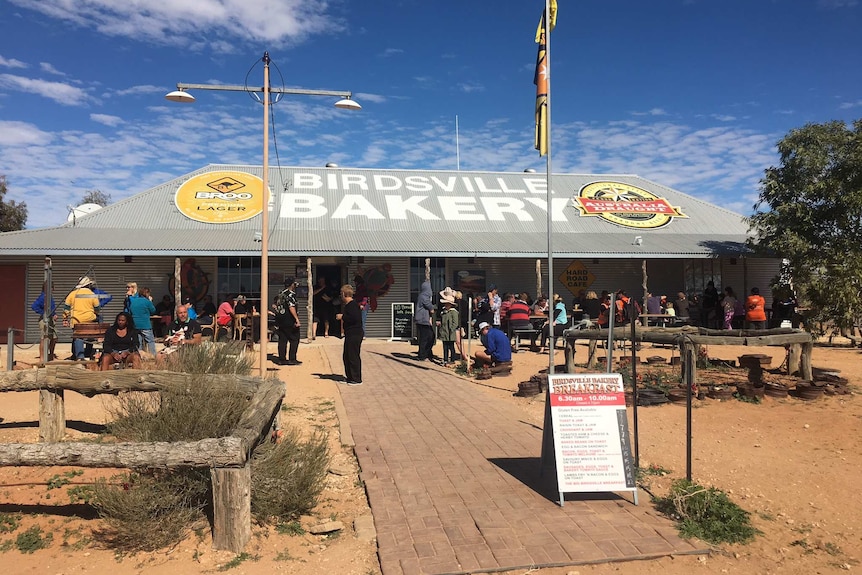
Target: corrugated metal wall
x: 110, y: 275
x: 510, y: 275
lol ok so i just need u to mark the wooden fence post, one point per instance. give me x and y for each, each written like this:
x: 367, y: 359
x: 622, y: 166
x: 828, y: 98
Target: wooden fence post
x: 793, y: 358
x: 52, y: 416
x: 805, y: 370
x: 231, y: 507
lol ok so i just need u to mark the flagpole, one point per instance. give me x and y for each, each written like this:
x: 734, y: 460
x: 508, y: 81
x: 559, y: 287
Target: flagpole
x: 552, y: 342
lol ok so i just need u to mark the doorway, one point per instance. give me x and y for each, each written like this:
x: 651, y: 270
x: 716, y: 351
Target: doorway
x: 326, y: 302
x: 13, y: 279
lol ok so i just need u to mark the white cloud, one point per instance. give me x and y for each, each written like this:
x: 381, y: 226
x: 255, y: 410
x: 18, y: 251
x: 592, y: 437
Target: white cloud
x: 652, y: 112
x: 196, y: 22
x: 11, y: 63
x: 16, y: 134
x: 144, y: 89
x: 59, y: 92
x: 106, y: 119
x: 837, y: 4
x: 470, y: 88
x: 391, y: 52
x: 848, y: 105
x: 50, y: 69
x: 724, y: 117
x: 366, y: 97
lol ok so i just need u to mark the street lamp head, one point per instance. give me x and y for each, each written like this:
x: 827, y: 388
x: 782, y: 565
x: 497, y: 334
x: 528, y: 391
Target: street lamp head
x: 347, y: 104
x: 180, y: 96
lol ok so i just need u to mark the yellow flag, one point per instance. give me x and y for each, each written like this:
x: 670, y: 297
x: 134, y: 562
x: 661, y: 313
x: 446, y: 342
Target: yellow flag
x: 540, y: 79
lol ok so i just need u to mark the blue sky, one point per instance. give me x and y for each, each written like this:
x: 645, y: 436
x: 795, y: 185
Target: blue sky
x: 693, y: 94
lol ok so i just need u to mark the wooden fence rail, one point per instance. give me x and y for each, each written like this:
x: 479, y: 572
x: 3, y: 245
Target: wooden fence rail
x: 227, y: 457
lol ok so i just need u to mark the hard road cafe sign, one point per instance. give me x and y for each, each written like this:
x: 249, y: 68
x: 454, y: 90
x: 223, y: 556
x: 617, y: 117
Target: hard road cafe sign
x: 576, y: 277
x: 625, y: 205
x: 220, y: 197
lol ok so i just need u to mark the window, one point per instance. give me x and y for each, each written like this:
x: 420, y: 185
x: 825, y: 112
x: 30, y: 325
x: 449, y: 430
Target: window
x: 238, y: 275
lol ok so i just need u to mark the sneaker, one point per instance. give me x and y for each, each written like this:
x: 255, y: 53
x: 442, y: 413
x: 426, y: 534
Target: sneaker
x: 354, y: 383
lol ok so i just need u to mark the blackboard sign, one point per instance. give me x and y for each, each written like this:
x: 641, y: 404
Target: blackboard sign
x: 402, y: 321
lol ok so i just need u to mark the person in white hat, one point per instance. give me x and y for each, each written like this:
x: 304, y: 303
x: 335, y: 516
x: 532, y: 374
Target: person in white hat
x: 81, y: 306
x: 448, y: 323
x: 498, y: 349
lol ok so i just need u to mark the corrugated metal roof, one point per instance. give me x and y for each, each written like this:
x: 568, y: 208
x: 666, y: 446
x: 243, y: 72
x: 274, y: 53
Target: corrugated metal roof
x: 395, y: 212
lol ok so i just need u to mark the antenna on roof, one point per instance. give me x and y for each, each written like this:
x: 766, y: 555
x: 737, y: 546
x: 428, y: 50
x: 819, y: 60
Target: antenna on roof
x: 457, y: 147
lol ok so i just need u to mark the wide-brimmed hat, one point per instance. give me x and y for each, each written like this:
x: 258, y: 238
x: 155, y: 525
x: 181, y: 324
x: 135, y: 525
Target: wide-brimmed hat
x: 483, y: 325
x: 449, y: 292
x: 84, y: 282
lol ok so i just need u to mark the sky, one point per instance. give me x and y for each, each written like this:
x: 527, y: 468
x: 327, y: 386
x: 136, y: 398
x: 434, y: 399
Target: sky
x: 692, y: 94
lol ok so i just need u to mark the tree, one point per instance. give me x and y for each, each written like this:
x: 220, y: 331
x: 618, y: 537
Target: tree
x: 13, y: 215
x: 96, y: 197
x: 810, y: 212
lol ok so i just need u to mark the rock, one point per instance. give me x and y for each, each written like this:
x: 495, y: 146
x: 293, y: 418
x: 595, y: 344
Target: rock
x: 806, y: 426
x: 340, y: 470
x: 364, y: 528
x: 324, y: 528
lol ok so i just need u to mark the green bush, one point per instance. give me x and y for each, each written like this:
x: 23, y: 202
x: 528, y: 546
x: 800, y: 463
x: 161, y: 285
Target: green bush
x: 288, y: 477
x: 32, y: 540
x: 706, y: 513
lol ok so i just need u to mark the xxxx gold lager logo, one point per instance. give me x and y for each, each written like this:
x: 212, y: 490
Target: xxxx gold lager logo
x: 625, y: 205
x: 220, y: 197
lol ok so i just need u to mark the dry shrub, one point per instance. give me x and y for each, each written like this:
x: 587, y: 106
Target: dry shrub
x: 151, y: 510
x: 288, y: 477
x: 185, y: 412
x: 211, y: 357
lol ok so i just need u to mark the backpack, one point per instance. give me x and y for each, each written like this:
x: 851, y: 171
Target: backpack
x: 628, y: 310
x: 281, y: 303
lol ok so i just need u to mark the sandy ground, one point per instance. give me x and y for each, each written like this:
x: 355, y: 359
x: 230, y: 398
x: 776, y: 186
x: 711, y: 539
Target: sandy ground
x: 793, y: 464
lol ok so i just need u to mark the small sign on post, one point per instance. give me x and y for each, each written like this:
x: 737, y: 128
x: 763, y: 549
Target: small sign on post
x: 591, y: 433
x: 402, y: 322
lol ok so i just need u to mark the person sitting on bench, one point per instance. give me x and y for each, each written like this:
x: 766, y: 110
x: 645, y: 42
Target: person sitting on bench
x: 121, y: 344
x: 498, y: 349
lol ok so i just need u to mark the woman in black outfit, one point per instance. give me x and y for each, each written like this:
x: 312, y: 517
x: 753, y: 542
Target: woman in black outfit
x: 121, y: 344
x: 351, y: 322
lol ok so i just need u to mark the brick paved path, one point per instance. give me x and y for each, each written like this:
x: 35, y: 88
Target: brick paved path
x: 453, y: 480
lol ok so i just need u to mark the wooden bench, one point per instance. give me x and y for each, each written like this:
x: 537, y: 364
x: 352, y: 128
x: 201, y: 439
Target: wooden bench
x: 530, y: 332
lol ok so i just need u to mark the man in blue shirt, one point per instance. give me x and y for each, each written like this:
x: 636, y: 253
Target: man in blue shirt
x: 141, y: 308
x: 47, y: 323
x: 498, y: 349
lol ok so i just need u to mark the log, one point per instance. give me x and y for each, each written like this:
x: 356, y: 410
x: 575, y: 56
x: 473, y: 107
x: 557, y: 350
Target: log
x: 591, y: 359
x: 570, y: 357
x: 256, y: 420
x: 231, y: 508
x: 793, y: 359
x: 75, y: 378
x: 52, y: 416
x: 218, y: 452
x: 806, y: 372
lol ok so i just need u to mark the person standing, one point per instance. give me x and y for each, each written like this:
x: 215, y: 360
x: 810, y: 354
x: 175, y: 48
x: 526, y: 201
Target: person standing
x: 449, y: 325
x: 287, y: 324
x: 351, y: 322
x: 141, y: 309
x: 81, y: 306
x: 681, y: 306
x: 424, y: 326
x: 755, y: 310
x: 728, y: 304
x: 47, y: 322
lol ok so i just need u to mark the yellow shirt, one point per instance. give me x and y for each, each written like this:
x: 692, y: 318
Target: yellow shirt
x: 82, y: 305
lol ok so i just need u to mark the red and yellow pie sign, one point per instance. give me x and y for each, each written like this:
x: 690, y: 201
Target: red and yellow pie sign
x: 220, y: 197
x: 625, y: 205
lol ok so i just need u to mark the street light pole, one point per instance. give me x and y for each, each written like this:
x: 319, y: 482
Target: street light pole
x: 181, y: 95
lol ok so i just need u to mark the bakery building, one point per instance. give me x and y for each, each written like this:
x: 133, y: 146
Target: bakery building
x: 472, y: 228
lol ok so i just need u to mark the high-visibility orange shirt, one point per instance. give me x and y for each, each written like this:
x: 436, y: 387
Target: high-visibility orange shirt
x: 755, y: 308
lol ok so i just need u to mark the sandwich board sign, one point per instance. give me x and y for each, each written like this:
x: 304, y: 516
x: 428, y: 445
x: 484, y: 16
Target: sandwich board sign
x: 592, y: 449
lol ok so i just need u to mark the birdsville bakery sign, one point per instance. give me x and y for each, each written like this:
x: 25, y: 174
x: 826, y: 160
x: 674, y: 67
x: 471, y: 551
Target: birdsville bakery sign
x: 227, y: 197
x: 625, y: 205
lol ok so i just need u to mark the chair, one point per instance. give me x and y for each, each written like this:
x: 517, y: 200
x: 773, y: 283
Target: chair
x: 239, y: 326
x: 210, y: 329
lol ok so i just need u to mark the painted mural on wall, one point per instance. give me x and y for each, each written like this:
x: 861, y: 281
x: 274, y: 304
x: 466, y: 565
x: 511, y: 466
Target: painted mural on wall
x: 378, y: 280
x: 194, y: 281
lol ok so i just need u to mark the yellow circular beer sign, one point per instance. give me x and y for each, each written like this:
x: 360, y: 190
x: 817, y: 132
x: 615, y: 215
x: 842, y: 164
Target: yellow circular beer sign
x: 625, y: 205
x: 220, y: 197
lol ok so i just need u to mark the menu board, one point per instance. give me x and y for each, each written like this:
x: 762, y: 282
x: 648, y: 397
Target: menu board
x: 591, y: 432
x: 402, y: 321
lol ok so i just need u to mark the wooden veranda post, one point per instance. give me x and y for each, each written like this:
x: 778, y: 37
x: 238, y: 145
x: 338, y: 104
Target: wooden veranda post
x: 178, y: 286
x: 309, y: 304
x: 538, y: 278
